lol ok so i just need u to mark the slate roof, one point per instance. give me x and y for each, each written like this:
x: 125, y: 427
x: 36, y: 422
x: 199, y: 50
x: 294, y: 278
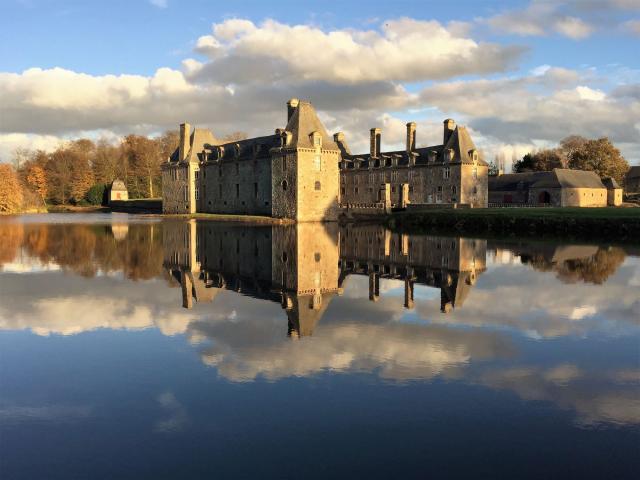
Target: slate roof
x: 460, y: 141
x: 634, y: 172
x: 118, y: 186
x: 610, y: 183
x: 557, y: 178
x: 303, y: 123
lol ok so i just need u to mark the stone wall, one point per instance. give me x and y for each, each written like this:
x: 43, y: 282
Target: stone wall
x: 437, y: 183
x: 614, y: 197
x: 584, y: 197
x: 176, y: 195
x: 317, y: 186
x: 236, y: 187
x: 284, y: 178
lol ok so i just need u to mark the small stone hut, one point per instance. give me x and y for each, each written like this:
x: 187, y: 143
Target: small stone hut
x: 614, y: 192
x: 118, y: 191
x: 559, y: 187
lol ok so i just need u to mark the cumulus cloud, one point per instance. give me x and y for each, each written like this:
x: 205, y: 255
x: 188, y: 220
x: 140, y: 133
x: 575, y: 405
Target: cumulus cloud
x: 549, y: 105
x: 575, y: 19
x: 159, y: 3
x: 242, y: 52
x: 633, y: 27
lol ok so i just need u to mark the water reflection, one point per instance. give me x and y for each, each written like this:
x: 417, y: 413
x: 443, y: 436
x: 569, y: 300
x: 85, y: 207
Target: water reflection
x: 282, y: 301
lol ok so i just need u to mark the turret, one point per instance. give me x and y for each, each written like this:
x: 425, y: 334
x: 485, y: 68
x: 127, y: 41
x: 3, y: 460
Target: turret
x: 291, y: 107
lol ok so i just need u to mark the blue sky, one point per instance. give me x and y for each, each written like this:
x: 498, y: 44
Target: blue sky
x: 520, y: 74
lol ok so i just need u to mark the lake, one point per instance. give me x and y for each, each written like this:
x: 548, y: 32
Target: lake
x: 137, y: 347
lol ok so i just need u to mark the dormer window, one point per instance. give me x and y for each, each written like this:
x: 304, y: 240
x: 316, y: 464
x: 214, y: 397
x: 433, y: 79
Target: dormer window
x: 449, y: 154
x: 236, y: 150
x: 316, y: 139
x: 432, y: 156
x: 473, y: 155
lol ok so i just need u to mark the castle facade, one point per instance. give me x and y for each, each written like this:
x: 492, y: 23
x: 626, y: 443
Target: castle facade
x: 301, y: 173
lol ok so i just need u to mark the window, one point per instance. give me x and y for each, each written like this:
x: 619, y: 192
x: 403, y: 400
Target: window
x: 237, y: 190
x: 342, y: 190
x: 355, y: 190
x: 454, y: 190
x: 317, y: 141
x: 197, y: 174
x: 317, y: 186
x: 255, y: 190
x: 186, y: 194
x: 197, y: 193
x: 317, y: 256
x: 284, y: 185
x: 474, y: 172
x: 317, y: 162
x: 284, y: 163
x: 446, y: 173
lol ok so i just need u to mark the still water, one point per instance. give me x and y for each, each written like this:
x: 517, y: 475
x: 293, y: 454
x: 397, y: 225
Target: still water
x: 137, y: 348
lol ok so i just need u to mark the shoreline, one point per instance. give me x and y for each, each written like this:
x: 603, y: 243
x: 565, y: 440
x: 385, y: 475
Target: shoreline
x: 611, y: 224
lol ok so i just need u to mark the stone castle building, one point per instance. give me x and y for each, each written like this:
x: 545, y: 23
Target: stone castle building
x: 450, y: 173
x: 559, y: 187
x: 302, y: 173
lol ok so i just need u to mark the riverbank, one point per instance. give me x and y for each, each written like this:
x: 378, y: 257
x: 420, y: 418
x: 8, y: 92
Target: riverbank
x: 619, y: 224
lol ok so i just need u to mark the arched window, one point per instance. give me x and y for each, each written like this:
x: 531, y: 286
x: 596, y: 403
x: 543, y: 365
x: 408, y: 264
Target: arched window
x: 284, y: 185
x: 317, y: 186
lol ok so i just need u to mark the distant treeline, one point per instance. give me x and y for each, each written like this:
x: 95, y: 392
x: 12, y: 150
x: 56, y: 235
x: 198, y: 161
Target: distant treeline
x: 579, y: 153
x: 79, y: 171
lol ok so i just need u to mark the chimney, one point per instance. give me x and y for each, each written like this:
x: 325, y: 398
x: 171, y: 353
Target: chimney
x: 185, y: 135
x: 341, y: 141
x: 375, y: 140
x: 291, y: 107
x: 411, y: 136
x: 449, y: 127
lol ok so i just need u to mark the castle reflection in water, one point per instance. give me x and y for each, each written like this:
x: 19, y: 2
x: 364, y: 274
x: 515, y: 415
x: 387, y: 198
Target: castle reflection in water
x: 303, y: 266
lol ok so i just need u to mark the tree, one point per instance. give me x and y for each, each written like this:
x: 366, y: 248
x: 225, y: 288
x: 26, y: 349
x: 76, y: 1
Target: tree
x: 59, y: 171
x: 20, y: 157
x: 10, y: 189
x: 569, y: 145
x: 168, y: 142
x: 540, y: 161
x: 144, y: 159
x: 602, y: 157
x: 37, y: 180
x: 108, y: 162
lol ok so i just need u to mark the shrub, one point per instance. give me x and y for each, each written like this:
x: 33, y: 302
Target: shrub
x: 97, y: 194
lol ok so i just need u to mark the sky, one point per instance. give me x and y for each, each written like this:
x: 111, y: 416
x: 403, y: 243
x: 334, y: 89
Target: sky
x: 520, y: 74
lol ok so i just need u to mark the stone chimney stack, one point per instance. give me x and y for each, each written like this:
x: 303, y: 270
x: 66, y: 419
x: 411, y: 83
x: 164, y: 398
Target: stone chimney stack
x: 291, y: 107
x: 341, y: 141
x: 375, y: 141
x: 411, y: 136
x: 185, y: 135
x: 449, y: 127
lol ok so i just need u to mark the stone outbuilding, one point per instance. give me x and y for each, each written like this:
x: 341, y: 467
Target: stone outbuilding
x: 632, y: 180
x: 557, y: 188
x: 118, y: 191
x: 614, y: 192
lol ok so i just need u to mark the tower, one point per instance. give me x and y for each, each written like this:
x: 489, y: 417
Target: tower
x: 304, y: 170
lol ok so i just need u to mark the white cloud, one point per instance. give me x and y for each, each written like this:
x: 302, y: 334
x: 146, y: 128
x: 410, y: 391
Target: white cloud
x: 403, y: 50
x: 159, y: 3
x: 633, y: 27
